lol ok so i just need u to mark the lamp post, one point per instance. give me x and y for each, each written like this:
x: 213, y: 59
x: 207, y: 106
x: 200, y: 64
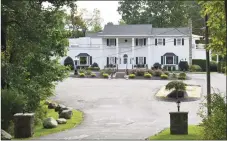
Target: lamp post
x: 75, y: 65
x: 84, y: 31
x: 178, y: 105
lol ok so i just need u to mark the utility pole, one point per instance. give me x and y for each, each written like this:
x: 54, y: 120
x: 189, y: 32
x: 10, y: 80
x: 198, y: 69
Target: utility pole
x: 226, y: 39
x: 207, y: 67
x: 190, y: 41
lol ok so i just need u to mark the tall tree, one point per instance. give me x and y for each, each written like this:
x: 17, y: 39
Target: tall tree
x: 121, y: 22
x: 97, y: 20
x: 163, y: 13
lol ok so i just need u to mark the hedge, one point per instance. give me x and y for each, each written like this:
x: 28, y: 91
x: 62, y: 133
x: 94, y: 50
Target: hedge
x: 202, y: 64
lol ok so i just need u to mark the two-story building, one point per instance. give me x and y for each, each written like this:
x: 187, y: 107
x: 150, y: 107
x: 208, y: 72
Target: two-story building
x: 128, y: 45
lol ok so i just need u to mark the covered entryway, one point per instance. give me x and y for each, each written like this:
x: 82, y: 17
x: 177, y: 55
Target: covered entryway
x: 169, y: 60
x: 84, y: 60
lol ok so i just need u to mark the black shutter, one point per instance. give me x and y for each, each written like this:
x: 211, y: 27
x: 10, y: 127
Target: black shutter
x: 115, y: 60
x: 90, y: 60
x: 176, y: 59
x: 115, y: 42
x: 136, y: 42
x: 162, y: 60
x: 136, y: 60
x: 107, y: 61
x: 175, y: 42
x: 164, y: 42
x: 182, y: 41
x: 156, y: 42
x: 145, y: 60
x: 144, y: 41
x: 107, y: 42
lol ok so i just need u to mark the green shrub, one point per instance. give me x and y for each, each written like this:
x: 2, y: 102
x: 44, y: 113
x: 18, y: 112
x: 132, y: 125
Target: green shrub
x: 131, y: 76
x: 176, y: 85
x: 166, y: 73
x: 164, y: 76
x: 200, y: 62
x: 88, y: 72
x: 214, y: 126
x: 183, y: 66
x: 133, y: 71
x: 157, y: 66
x: 81, y: 74
x: 93, y: 75
x: 147, y: 75
x: 82, y: 71
x: 174, y: 75
x: 69, y: 62
x: 195, y: 68
x: 213, y: 66
x: 40, y: 113
x: 150, y: 71
x: 158, y: 73
x: 105, y: 75
x: 89, y: 68
x: 96, y: 68
x: 140, y: 72
x: 95, y: 65
x: 182, y: 76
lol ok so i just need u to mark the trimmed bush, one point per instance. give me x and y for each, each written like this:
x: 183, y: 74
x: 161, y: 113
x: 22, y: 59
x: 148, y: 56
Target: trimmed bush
x: 158, y: 73
x: 182, y: 76
x: 140, y: 72
x: 93, y: 75
x: 105, y: 75
x: 69, y: 62
x: 164, y: 76
x: 132, y: 71
x: 82, y: 71
x: 174, y: 75
x: 88, y: 72
x: 183, y: 66
x: 213, y: 66
x: 95, y: 65
x: 131, y: 76
x: 195, y: 68
x: 147, y: 75
x: 157, y: 66
x: 81, y: 74
x: 200, y: 62
x: 150, y: 71
x: 166, y: 73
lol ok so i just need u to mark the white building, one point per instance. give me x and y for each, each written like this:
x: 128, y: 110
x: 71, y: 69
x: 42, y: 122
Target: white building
x: 128, y: 45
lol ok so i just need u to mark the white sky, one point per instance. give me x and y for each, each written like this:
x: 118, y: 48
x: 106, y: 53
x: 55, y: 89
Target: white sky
x: 108, y: 9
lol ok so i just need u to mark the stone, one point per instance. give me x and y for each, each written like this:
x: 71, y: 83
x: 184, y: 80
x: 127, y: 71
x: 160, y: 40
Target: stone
x: 67, y: 114
x: 50, y: 123
x: 60, y: 107
x: 178, y: 123
x: 65, y: 108
x: 52, y: 105
x: 23, y: 125
x: 5, y: 135
x: 61, y: 121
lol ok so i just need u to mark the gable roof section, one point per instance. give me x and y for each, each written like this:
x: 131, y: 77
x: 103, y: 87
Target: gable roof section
x: 170, y: 31
x: 82, y: 55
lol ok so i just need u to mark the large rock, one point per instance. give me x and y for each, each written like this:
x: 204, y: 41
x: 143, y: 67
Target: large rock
x: 50, y: 123
x: 52, y: 105
x: 61, y: 121
x: 65, y: 108
x: 5, y: 135
x: 60, y: 107
x: 67, y: 114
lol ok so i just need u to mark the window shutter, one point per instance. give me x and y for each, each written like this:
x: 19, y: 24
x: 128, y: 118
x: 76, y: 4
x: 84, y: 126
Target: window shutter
x: 107, y: 42
x: 136, y: 42
x: 182, y: 41
x: 90, y: 60
x: 176, y: 59
x: 156, y: 42
x: 136, y: 60
x: 144, y: 41
x: 162, y: 60
x: 144, y: 60
x: 164, y: 42
x: 175, y: 42
x: 115, y: 60
x: 115, y: 42
x: 107, y: 61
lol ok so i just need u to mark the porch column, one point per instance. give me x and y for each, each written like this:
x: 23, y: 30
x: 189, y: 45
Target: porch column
x: 117, y: 51
x: 217, y: 60
x: 101, y: 59
x: 133, y: 51
x: 149, y: 53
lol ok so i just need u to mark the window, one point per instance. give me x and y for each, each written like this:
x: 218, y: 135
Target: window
x: 141, y: 42
x: 125, y: 60
x: 169, y: 59
x: 140, y: 60
x: 112, y: 60
x: 111, y: 42
x: 83, y: 60
x: 160, y: 41
x: 178, y: 42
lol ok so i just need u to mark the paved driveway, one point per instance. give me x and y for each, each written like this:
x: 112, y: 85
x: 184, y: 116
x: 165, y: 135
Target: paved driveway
x: 123, y: 109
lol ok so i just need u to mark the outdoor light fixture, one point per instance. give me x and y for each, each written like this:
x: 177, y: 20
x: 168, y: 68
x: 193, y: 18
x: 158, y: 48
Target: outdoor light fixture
x: 178, y: 105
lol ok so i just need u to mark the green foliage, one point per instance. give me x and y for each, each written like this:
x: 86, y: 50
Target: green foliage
x: 88, y: 72
x: 147, y: 75
x: 131, y: 76
x: 150, y: 71
x: 69, y: 62
x: 82, y: 74
x: 105, y: 75
x: 140, y: 72
x: 133, y: 71
x: 82, y: 71
x: 93, y: 68
x: 93, y: 75
x: 166, y: 73
x: 182, y: 76
x: 214, y: 125
x: 200, y: 62
x: 174, y: 75
x: 157, y: 66
x: 183, y: 66
x: 176, y: 85
x: 40, y: 113
x: 164, y: 76
x: 195, y: 68
x: 158, y: 73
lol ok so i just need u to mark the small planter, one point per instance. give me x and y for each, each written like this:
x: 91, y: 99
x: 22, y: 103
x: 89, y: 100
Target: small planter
x: 178, y: 123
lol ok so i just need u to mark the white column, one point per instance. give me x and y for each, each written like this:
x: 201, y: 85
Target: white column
x: 133, y: 51
x: 149, y: 53
x: 217, y: 58
x: 117, y: 51
x: 101, y: 59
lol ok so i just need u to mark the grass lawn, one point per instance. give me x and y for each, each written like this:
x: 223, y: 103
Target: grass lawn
x: 73, y: 122
x: 194, y: 133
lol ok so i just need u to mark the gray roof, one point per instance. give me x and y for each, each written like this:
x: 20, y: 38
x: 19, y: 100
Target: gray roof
x: 139, y: 29
x: 169, y: 54
x: 83, y: 54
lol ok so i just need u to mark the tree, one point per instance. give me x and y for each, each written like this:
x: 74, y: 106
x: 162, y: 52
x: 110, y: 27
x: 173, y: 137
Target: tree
x: 96, y: 22
x: 32, y: 36
x: 164, y: 13
x: 216, y: 23
x: 121, y: 22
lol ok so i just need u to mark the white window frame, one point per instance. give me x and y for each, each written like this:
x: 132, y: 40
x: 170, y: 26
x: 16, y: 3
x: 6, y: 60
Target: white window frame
x: 165, y: 57
x: 160, y: 41
x: 86, y: 61
x: 141, y: 41
x: 112, y: 60
x: 178, y: 41
x: 139, y: 60
x: 112, y: 42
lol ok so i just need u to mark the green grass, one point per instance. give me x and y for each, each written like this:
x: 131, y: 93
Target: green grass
x: 194, y: 133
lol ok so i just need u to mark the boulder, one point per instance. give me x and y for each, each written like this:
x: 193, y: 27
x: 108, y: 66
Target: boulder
x: 65, y: 108
x: 61, y: 121
x: 60, y: 107
x: 67, y: 114
x: 50, y: 123
x: 5, y: 135
x: 52, y: 105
